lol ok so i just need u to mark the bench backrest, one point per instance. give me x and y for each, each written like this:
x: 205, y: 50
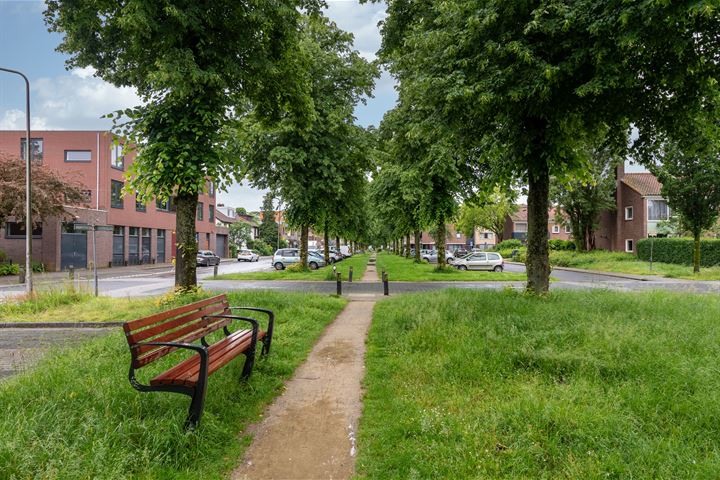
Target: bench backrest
x: 184, y: 324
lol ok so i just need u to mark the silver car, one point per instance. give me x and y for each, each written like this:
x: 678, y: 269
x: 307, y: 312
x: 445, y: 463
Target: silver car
x: 206, y: 258
x: 481, y: 261
x: 432, y: 256
x: 288, y: 256
x: 247, y: 256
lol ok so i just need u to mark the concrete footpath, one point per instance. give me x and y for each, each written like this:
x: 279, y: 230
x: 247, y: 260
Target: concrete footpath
x: 309, y: 431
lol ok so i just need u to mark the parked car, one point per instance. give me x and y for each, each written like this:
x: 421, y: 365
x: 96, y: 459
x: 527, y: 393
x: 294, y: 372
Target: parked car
x: 345, y: 251
x: 337, y: 256
x: 206, y: 258
x: 460, y: 253
x: 481, y: 261
x: 315, y: 259
x: 432, y: 257
x: 333, y: 257
x: 287, y: 256
x: 247, y: 256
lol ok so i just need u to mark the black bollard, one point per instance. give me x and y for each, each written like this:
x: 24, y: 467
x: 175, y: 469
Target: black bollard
x: 386, y: 289
x: 339, y: 284
x: 215, y: 270
x: 350, y: 275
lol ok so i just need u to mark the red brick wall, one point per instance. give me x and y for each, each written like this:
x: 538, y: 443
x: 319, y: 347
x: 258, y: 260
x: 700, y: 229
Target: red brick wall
x: 636, y: 228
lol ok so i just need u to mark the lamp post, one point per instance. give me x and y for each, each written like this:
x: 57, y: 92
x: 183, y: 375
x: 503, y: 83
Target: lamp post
x: 28, y: 197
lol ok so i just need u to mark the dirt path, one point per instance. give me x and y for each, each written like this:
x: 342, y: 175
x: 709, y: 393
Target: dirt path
x: 309, y: 432
x: 370, y: 274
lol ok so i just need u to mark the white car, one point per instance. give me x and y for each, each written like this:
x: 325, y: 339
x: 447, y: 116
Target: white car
x: 481, y: 261
x: 247, y: 256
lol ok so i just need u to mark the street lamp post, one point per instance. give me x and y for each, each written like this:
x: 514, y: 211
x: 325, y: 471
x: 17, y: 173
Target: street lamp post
x: 28, y: 196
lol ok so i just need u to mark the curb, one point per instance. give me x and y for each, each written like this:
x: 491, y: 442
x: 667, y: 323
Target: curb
x: 60, y: 324
x: 626, y: 276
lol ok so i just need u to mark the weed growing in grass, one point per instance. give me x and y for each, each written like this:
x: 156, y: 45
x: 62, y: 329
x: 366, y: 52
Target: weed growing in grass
x: 42, y: 301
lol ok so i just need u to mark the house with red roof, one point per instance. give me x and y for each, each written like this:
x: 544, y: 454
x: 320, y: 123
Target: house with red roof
x: 640, y: 208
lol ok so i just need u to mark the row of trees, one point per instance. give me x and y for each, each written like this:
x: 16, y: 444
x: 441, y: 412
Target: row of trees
x: 494, y: 92
x: 231, y: 91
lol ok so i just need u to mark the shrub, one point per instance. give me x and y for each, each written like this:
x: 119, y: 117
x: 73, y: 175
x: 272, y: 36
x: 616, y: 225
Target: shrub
x: 508, y: 245
x: 38, y: 267
x: 561, y: 244
x: 3, y: 256
x: 297, y: 267
x: 261, y: 247
x: 9, y: 269
x: 679, y: 251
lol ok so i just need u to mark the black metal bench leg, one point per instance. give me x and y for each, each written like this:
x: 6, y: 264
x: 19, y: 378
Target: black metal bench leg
x: 265, y: 346
x: 196, y: 406
x: 249, y: 363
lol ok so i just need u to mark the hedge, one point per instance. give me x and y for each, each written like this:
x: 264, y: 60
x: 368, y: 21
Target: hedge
x: 679, y: 251
x: 557, y: 244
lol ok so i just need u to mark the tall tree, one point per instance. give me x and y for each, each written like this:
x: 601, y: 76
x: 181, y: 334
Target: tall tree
x: 308, y: 168
x: 583, y: 197
x: 193, y: 65
x: 51, y: 193
x: 268, y: 231
x: 688, y: 166
x: 516, y: 81
x: 489, y: 212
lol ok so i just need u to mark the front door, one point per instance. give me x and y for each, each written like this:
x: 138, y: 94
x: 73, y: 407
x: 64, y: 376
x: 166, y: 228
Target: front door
x: 73, y: 248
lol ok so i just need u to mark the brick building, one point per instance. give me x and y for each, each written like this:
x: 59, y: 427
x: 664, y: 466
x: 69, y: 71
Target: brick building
x: 516, y: 226
x: 141, y: 233
x: 639, y: 209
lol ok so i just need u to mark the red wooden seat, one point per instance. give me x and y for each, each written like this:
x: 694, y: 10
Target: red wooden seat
x: 156, y: 336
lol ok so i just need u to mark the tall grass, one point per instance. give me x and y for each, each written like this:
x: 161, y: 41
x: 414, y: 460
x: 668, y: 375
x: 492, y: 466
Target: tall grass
x: 468, y: 384
x: 76, y: 416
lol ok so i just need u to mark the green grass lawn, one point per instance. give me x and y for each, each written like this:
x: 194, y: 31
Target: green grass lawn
x: 358, y: 263
x: 401, y: 269
x: 628, y: 263
x: 73, y: 306
x: 75, y: 415
x: 586, y: 385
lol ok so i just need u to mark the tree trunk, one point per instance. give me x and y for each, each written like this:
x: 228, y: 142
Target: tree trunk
x: 418, y: 236
x: 187, y: 247
x: 440, y: 244
x: 696, y: 253
x: 337, y: 245
x: 407, y: 246
x: 538, y: 263
x: 304, y: 245
x: 326, y: 249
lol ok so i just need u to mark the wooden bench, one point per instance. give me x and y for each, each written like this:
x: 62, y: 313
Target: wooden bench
x: 153, y: 337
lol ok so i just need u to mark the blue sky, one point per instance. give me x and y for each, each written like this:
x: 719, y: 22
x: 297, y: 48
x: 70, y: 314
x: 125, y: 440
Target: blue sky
x: 74, y: 100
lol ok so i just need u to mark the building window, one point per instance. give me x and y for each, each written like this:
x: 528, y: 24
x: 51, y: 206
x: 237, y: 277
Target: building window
x: 521, y: 226
x: 133, y: 245
x: 36, y: 153
x: 567, y: 229
x: 139, y: 205
x: 200, y: 208
x: 116, y: 199
x: 165, y: 205
x: 457, y: 235
x: 118, y: 257
x: 556, y: 229
x: 211, y: 189
x: 629, y: 245
x: 160, y: 253
x: 211, y: 213
x: 146, y: 239
x: 658, y: 210
x: 117, y: 159
x: 87, y: 195
x: 17, y: 230
x: 628, y: 213
x: 78, y: 156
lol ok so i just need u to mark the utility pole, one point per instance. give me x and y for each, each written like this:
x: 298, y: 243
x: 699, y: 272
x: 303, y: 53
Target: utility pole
x: 28, y: 182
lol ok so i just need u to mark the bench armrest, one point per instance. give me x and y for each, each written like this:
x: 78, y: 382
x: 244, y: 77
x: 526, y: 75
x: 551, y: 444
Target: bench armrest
x: 201, y: 350
x: 271, y: 324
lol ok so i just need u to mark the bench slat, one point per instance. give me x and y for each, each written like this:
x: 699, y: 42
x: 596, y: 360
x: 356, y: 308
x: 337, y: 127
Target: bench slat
x: 143, y: 335
x: 133, y: 325
x: 220, y: 354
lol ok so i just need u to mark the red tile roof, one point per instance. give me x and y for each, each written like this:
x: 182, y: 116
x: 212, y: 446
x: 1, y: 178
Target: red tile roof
x: 643, y: 183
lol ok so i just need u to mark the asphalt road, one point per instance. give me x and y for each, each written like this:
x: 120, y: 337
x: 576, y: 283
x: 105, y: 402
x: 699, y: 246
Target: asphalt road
x: 156, y: 281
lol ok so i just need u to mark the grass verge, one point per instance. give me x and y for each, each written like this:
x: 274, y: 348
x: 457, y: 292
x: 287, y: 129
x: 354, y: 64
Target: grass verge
x: 401, y: 269
x: 620, y: 262
x: 598, y: 384
x: 358, y: 262
x: 76, y: 416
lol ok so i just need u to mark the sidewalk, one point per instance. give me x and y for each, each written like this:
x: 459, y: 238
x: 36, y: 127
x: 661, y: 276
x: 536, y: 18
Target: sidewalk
x: 309, y: 432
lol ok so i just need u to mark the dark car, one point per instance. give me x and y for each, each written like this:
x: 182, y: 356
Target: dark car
x: 206, y: 258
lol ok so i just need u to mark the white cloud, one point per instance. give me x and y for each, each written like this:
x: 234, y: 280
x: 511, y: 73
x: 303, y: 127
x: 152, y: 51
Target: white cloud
x: 240, y: 195
x: 74, y: 101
